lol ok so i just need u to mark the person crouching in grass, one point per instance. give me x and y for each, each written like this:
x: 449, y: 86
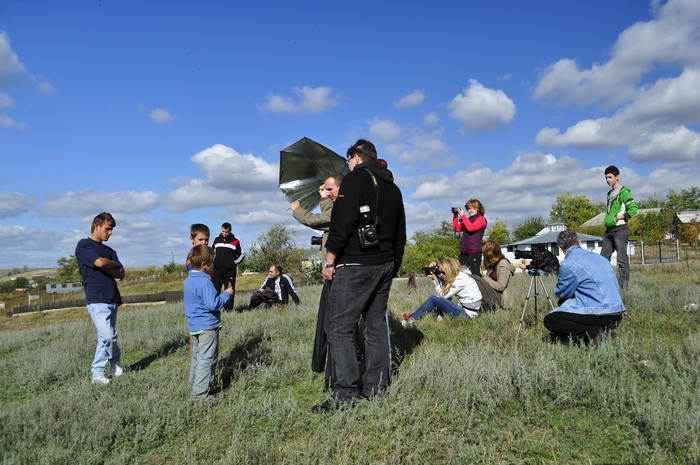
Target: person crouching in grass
x: 202, y: 309
x: 450, y: 279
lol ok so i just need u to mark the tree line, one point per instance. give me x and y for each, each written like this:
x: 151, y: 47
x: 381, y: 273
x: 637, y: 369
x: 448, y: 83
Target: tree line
x: 278, y: 244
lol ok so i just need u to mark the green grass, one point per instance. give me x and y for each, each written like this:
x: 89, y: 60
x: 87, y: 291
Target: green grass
x: 463, y: 391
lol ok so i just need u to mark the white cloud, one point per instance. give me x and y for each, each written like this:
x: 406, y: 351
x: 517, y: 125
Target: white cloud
x: 6, y: 101
x: 679, y: 147
x: 311, y: 100
x: 228, y: 176
x: 424, y: 146
x: 13, y: 74
x: 160, y: 116
x: 386, y: 131
x: 482, y: 109
x: 90, y: 202
x: 9, y: 123
x: 671, y: 38
x: 12, y: 204
x: 431, y: 119
x: 11, y: 69
x: 413, y: 99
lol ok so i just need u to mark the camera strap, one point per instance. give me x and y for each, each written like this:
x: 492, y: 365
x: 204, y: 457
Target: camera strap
x: 376, y: 190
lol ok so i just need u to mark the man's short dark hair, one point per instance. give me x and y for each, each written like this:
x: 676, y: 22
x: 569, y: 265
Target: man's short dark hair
x: 101, y: 219
x: 337, y: 178
x: 277, y: 268
x: 198, y: 228
x: 365, y: 149
x: 566, y: 239
x: 201, y: 253
x: 226, y: 226
x: 612, y: 169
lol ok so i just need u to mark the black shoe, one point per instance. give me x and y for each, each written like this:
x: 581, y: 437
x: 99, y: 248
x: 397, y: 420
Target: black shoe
x: 334, y: 404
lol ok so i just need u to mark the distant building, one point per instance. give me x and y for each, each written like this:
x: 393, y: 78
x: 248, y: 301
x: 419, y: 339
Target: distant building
x: 548, y: 238
x: 63, y: 288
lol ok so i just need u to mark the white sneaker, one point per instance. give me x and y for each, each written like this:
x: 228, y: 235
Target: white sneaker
x: 100, y: 379
x: 117, y: 369
x: 439, y: 317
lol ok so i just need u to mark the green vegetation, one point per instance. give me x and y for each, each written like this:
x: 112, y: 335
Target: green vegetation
x: 464, y: 391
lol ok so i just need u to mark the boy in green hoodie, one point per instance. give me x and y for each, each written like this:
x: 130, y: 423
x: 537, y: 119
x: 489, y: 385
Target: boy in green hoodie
x: 619, y: 209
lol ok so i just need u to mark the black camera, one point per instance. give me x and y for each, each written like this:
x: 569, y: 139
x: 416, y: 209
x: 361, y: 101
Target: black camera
x: 455, y: 210
x: 527, y: 254
x: 428, y: 270
x: 368, y: 231
x: 316, y: 240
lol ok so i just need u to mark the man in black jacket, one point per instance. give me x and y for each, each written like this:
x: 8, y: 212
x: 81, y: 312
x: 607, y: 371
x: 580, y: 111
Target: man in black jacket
x: 280, y: 284
x: 365, y: 247
x: 229, y: 253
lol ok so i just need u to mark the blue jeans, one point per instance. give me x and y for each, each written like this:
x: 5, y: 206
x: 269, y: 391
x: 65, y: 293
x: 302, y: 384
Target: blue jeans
x: 617, y: 241
x: 445, y: 306
x: 104, y: 316
x: 360, y: 290
x: 205, y: 354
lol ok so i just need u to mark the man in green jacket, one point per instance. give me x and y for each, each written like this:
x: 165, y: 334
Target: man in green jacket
x: 620, y: 208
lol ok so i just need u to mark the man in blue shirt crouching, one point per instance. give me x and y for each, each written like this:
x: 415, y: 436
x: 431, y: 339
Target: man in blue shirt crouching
x: 590, y: 301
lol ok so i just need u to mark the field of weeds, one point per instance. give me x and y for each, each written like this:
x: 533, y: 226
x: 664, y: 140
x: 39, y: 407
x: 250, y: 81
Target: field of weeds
x: 463, y: 391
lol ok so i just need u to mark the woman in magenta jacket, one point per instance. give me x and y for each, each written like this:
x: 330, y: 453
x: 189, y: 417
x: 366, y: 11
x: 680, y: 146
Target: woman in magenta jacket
x: 472, y: 228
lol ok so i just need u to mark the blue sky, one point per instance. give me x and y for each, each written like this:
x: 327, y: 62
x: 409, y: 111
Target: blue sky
x: 170, y: 113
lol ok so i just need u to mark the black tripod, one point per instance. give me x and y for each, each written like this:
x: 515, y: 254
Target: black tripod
x: 532, y: 291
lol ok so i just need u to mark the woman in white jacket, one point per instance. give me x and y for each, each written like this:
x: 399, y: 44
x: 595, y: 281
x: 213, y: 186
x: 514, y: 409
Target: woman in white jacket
x: 453, y: 281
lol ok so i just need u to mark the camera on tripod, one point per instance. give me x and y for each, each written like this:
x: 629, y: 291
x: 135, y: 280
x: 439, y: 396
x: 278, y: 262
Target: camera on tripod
x: 316, y: 240
x: 368, y: 230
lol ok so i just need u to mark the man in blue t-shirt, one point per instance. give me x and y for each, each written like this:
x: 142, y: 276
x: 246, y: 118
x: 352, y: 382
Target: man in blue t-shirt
x: 100, y: 268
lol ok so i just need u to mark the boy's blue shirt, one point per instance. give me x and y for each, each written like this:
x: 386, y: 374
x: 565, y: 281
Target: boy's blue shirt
x: 202, y: 303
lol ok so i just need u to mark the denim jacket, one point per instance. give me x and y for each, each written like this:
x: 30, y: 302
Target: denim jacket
x: 590, y: 280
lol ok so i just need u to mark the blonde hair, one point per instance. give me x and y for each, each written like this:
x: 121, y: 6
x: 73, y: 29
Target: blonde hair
x: 492, y: 255
x: 201, y: 254
x: 451, y: 268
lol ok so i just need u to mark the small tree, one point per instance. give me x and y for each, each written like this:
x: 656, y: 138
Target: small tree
x: 654, y: 225
x: 498, y: 231
x: 68, y: 270
x: 528, y: 228
x: 275, y: 246
x: 572, y: 210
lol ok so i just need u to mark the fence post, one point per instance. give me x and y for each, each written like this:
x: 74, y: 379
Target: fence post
x: 641, y: 242
x: 678, y: 249
x: 660, y: 251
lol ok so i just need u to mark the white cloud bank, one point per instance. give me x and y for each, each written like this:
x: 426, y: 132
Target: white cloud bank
x: 652, y: 119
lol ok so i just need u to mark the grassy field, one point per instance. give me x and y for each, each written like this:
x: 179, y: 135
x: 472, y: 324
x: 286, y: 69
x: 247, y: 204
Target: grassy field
x: 464, y: 391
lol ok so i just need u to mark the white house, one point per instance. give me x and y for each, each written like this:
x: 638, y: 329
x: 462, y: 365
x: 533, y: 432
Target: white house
x: 548, y: 238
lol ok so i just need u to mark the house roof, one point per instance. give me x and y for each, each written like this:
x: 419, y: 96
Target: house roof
x: 311, y: 254
x: 600, y: 217
x: 688, y: 216
x: 549, y: 236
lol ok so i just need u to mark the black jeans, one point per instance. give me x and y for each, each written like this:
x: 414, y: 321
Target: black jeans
x: 472, y: 261
x: 567, y: 326
x: 360, y: 290
x: 221, y: 278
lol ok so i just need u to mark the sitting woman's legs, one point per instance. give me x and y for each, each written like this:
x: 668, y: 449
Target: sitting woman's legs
x: 447, y: 307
